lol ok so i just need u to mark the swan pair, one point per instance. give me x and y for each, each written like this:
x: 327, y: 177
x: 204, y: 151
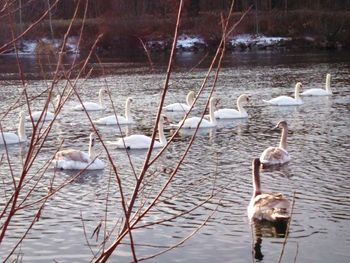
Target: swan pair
x: 289, y: 101
x: 12, y: 138
x: 72, y: 159
x: 266, y: 206
x: 113, y: 120
x: 93, y: 106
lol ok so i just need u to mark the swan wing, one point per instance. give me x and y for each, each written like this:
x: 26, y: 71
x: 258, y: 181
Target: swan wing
x: 229, y: 114
x: 177, y: 107
x: 9, y: 138
x: 274, y: 156
x: 271, y: 206
x: 112, y: 120
x: 315, y: 92
x: 48, y: 116
x: 136, y: 141
x: 284, y: 101
x: 89, y: 106
x: 192, y: 123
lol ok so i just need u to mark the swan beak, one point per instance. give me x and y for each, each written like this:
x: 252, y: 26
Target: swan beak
x: 217, y: 102
x: 166, y: 119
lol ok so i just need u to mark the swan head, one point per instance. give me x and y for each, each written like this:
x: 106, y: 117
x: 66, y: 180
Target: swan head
x: 281, y: 125
x: 22, y: 115
x: 298, y: 86
x: 256, y: 162
x: 190, y: 97
x: 243, y: 98
x: 129, y: 100
x: 92, y: 139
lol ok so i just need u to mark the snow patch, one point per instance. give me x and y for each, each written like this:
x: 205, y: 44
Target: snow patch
x: 247, y: 40
x: 27, y: 47
x: 189, y: 42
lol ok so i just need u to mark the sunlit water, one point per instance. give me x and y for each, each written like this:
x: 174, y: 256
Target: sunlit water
x: 218, y: 163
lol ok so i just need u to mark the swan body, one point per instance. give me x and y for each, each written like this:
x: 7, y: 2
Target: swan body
x: 192, y: 123
x: 93, y: 106
x: 232, y: 113
x: 266, y: 206
x: 72, y: 159
x: 46, y: 116
x: 182, y: 106
x: 12, y: 138
x: 113, y: 120
x: 277, y: 155
x: 286, y: 100
x: 139, y: 141
x: 320, y: 92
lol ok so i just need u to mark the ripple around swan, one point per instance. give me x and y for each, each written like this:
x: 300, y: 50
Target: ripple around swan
x: 219, y: 162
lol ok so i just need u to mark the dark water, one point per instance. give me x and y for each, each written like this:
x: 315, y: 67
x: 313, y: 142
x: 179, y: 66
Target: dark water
x: 218, y: 163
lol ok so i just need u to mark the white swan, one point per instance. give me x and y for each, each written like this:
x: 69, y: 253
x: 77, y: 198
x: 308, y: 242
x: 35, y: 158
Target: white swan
x: 93, y: 106
x: 192, y: 123
x: 112, y: 120
x: 320, y: 92
x: 286, y: 100
x: 139, y: 141
x: 46, y: 116
x: 182, y: 106
x: 277, y: 155
x: 72, y: 159
x: 12, y: 138
x: 232, y: 113
x: 268, y: 206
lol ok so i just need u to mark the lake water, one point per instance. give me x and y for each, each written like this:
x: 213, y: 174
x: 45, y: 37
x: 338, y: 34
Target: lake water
x: 218, y: 163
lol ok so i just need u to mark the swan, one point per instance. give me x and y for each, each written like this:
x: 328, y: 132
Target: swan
x: 182, y: 106
x: 46, y: 116
x: 93, y: 106
x: 232, y: 113
x: 286, y: 100
x: 192, y: 123
x: 277, y: 155
x: 112, y: 120
x: 267, y: 206
x: 140, y: 141
x: 320, y: 92
x: 12, y: 138
x: 72, y: 159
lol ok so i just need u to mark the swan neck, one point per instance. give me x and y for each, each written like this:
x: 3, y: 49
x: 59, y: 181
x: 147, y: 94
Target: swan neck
x: 296, y: 93
x: 127, y: 111
x: 211, y: 113
x: 91, y: 149
x: 100, y: 98
x: 256, y: 181
x: 283, y: 142
x: 240, y: 107
x: 328, y: 83
x: 162, y: 138
x: 21, y: 131
x: 189, y: 99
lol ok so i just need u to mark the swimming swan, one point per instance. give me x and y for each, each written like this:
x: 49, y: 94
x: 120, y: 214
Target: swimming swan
x: 182, y: 106
x: 140, y: 141
x: 92, y: 106
x: 112, y: 120
x: 232, y: 113
x: 191, y: 123
x: 286, y: 100
x: 277, y: 155
x: 268, y: 206
x: 320, y: 92
x: 72, y: 159
x: 47, y: 116
x: 12, y: 138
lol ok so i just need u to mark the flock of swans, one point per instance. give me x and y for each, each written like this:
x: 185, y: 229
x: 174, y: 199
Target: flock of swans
x: 265, y: 206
